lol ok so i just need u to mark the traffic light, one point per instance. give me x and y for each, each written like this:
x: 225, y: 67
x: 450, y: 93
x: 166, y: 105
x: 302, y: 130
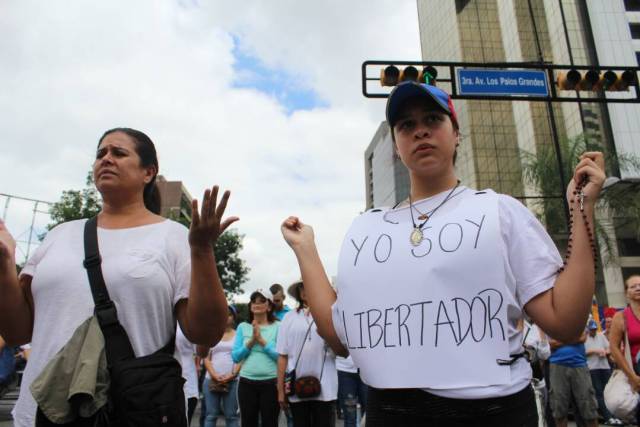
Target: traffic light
x: 391, y: 75
x: 594, y: 80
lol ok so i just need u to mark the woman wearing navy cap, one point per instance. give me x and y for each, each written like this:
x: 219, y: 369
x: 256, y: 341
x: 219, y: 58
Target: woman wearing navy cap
x: 429, y: 292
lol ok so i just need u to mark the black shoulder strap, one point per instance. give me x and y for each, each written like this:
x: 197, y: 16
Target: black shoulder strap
x: 116, y: 341
x: 303, y: 343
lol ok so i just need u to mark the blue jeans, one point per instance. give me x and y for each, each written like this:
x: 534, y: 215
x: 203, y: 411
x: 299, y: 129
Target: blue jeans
x: 228, y: 402
x: 599, y: 379
x: 351, y: 390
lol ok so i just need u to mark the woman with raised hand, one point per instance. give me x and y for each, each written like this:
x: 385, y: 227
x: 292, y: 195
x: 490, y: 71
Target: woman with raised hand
x: 429, y: 292
x: 156, y: 271
x: 255, y: 348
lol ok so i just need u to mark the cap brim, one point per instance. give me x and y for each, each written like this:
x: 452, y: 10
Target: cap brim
x: 407, y: 90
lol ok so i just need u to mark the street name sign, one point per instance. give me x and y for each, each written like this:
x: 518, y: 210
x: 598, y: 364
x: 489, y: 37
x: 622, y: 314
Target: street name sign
x: 502, y: 82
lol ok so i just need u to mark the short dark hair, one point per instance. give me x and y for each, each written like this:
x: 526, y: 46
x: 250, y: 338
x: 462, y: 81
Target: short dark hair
x: 275, y: 288
x: 146, y: 150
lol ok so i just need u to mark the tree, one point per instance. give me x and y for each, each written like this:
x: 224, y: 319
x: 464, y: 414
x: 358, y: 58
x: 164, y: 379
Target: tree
x: 86, y: 203
x: 541, y: 170
x: 76, y: 204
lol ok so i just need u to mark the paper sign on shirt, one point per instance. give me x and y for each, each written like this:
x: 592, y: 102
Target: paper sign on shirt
x: 431, y: 315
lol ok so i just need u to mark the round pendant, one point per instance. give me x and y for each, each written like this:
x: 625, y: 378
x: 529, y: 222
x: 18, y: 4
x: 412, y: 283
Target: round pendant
x: 416, y: 237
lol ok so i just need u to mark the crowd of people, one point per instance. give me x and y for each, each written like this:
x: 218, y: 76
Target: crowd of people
x: 429, y: 301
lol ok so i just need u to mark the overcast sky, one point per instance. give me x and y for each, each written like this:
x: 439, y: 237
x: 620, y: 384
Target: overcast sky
x: 261, y: 97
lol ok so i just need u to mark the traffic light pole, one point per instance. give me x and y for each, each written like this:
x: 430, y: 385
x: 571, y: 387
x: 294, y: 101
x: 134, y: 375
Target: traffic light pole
x: 461, y: 76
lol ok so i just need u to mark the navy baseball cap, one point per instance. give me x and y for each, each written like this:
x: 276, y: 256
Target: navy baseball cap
x: 592, y: 325
x: 411, y: 89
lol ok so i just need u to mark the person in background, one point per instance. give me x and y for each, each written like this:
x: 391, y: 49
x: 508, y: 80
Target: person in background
x: 597, y: 350
x: 186, y: 350
x: 255, y: 348
x: 303, y: 350
x: 627, y: 322
x: 278, y: 297
x: 351, y: 391
x: 608, y: 314
x: 569, y: 376
x: 7, y: 365
x: 220, y: 387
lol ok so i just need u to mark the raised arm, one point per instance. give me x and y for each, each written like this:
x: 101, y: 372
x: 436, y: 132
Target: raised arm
x: 562, y: 311
x: 203, y: 315
x: 16, y: 302
x: 320, y: 294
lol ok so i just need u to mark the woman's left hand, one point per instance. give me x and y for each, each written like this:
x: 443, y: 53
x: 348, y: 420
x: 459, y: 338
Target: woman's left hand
x: 207, y: 225
x: 589, y: 168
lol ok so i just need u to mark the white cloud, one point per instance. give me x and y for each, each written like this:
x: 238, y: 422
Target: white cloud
x: 72, y: 70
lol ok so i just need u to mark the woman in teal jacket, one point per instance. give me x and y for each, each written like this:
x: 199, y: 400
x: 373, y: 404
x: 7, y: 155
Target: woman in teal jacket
x: 255, y: 348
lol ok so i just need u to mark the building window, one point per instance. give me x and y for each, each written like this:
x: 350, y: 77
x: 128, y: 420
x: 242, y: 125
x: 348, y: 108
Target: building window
x: 632, y: 5
x: 635, y: 30
x: 638, y: 57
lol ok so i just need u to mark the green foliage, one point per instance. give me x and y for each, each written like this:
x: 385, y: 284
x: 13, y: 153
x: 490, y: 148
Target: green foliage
x: 232, y: 269
x: 243, y: 311
x: 76, y: 204
x: 541, y: 170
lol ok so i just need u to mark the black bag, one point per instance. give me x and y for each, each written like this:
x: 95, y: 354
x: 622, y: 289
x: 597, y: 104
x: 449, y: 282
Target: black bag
x: 144, y: 391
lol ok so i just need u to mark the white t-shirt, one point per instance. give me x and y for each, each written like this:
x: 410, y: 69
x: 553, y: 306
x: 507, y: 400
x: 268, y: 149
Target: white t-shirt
x: 535, y: 341
x: 221, y: 357
x: 315, y: 356
x: 186, y: 350
x: 345, y: 364
x: 593, y: 343
x: 147, y: 270
x: 530, y: 260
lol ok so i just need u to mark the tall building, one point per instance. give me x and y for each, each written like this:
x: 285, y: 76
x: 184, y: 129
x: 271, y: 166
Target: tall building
x: 175, y: 200
x: 495, y: 134
x: 386, y: 177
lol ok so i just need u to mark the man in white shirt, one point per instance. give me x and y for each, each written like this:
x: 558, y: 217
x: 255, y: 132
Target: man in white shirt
x: 597, y: 350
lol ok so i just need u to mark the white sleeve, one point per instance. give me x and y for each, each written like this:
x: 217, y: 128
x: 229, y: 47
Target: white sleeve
x: 533, y: 257
x: 31, y: 265
x: 179, y: 248
x: 283, y: 335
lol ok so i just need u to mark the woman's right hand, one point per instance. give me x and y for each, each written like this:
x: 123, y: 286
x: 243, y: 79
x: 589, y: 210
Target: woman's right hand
x: 296, y: 233
x: 7, y: 249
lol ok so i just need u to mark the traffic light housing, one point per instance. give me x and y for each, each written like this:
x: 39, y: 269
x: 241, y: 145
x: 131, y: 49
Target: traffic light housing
x: 594, y: 80
x: 392, y: 75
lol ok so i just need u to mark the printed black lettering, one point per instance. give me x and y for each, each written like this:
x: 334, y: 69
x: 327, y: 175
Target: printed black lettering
x: 444, y: 227
x: 482, y: 318
x: 384, y: 332
x: 346, y: 334
x: 361, y: 328
x: 461, y: 320
x: 475, y: 244
x: 358, y: 249
x: 421, y: 304
x: 375, y: 251
x: 443, y: 309
x: 492, y: 315
x: 427, y: 240
x: 374, y: 324
x: 402, y: 323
